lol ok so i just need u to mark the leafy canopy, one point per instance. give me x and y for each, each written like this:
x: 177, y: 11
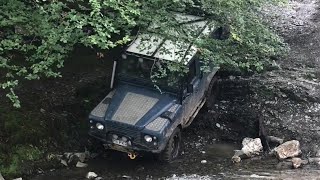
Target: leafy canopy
x: 36, y: 36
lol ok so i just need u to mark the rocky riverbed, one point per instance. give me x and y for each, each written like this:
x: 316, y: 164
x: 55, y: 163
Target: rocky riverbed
x: 285, y: 99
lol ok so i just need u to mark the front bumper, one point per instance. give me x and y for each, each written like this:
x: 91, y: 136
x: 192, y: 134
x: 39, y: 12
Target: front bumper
x: 136, y: 145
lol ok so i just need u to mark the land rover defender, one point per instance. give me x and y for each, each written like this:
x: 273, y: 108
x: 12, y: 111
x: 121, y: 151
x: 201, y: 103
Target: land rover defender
x: 142, y: 115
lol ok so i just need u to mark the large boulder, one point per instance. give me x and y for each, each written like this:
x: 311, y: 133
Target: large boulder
x: 252, y: 147
x: 1, y: 177
x: 288, y: 149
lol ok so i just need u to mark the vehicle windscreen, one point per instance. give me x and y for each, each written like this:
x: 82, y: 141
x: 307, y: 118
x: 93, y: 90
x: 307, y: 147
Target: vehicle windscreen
x: 148, y: 72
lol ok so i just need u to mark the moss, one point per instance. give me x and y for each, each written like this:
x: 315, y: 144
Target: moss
x: 14, y: 163
x: 20, y: 140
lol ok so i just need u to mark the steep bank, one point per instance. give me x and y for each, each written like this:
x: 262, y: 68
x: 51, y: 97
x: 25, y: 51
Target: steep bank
x: 286, y: 98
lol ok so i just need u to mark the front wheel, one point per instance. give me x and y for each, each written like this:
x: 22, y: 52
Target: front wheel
x: 172, y: 149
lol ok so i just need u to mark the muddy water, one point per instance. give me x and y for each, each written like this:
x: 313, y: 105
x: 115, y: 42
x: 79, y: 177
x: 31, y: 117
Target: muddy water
x: 218, y: 166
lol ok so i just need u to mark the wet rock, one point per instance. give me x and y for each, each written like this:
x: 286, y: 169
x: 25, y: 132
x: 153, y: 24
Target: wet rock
x: 17, y: 178
x: 81, y: 165
x: 140, y: 168
x: 67, y: 155
x: 64, y: 162
x: 293, y: 163
x: 296, y: 162
x: 314, y: 160
x: 256, y: 176
x: 98, y: 178
x: 232, y: 77
x: 240, y: 154
x: 1, y: 177
x: 252, y: 147
x: 274, y: 139
x: 274, y: 65
x: 82, y: 156
x: 73, y: 159
x: 203, y: 161
x: 51, y: 157
x: 304, y: 162
x: 126, y: 177
x: 236, y: 159
x: 219, y: 126
x: 40, y: 171
x: 91, y: 175
x: 284, y: 165
x: 288, y: 149
x: 93, y: 155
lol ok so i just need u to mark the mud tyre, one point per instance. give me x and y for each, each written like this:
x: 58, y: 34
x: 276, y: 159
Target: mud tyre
x: 172, y: 150
x: 212, y: 93
x: 94, y: 145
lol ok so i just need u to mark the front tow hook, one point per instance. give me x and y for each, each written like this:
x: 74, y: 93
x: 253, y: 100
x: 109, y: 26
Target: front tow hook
x: 132, y: 155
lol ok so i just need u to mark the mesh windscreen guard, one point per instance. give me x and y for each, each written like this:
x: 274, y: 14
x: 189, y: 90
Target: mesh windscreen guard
x: 133, y: 108
x: 101, y: 108
x: 157, y: 124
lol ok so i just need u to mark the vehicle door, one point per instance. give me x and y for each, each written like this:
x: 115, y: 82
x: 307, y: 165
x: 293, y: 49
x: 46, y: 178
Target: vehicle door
x: 194, y: 92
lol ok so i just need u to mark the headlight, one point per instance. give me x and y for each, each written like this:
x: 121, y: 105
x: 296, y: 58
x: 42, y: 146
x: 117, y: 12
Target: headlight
x: 148, y: 138
x: 99, y: 126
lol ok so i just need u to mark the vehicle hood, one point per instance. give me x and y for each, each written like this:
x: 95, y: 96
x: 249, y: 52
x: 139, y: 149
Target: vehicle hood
x: 137, y: 106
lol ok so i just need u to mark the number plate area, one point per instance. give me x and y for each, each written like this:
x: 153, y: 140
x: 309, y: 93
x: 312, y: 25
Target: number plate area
x: 120, y: 142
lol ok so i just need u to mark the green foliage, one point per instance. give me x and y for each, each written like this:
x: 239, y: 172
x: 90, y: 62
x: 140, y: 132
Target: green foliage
x: 18, y: 132
x: 18, y: 156
x: 36, y: 36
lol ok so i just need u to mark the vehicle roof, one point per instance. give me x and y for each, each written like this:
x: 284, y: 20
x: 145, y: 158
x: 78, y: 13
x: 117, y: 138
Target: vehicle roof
x: 158, y: 47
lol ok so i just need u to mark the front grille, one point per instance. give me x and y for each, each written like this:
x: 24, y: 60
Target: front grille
x: 123, y: 129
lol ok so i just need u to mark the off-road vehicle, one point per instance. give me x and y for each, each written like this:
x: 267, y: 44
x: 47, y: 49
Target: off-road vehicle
x: 142, y: 115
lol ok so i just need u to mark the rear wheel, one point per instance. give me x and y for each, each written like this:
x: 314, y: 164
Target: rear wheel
x: 172, y: 149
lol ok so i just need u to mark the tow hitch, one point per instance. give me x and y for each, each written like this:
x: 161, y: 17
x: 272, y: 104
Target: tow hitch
x: 132, y: 155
